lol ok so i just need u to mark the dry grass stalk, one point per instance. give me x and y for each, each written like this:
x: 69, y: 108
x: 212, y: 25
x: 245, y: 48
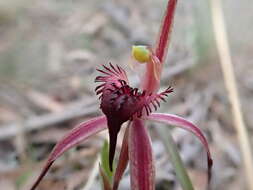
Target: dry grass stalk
x: 230, y: 83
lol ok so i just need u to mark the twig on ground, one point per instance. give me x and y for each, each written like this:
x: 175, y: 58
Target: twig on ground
x: 38, y: 122
x: 44, y: 101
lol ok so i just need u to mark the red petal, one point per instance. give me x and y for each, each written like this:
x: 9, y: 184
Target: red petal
x: 165, y: 31
x: 123, y: 161
x: 184, y: 124
x: 74, y: 137
x: 141, y: 158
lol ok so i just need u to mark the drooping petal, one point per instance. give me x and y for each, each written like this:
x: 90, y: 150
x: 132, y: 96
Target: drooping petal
x: 74, y: 137
x: 165, y: 31
x: 184, y: 124
x: 140, y: 156
x: 123, y: 161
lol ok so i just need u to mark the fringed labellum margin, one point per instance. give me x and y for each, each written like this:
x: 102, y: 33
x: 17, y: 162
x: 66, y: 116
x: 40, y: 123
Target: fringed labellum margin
x: 120, y: 102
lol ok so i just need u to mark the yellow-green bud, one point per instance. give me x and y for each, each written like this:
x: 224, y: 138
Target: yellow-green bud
x: 141, y: 53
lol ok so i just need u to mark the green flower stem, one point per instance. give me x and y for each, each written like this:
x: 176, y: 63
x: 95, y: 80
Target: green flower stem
x: 175, y: 158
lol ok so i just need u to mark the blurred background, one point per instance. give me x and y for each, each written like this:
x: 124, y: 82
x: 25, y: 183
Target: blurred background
x: 48, y: 54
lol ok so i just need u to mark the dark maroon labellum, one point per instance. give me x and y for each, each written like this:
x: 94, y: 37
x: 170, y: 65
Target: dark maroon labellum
x: 120, y: 102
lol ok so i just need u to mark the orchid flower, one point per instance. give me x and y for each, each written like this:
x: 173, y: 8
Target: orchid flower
x: 121, y: 103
